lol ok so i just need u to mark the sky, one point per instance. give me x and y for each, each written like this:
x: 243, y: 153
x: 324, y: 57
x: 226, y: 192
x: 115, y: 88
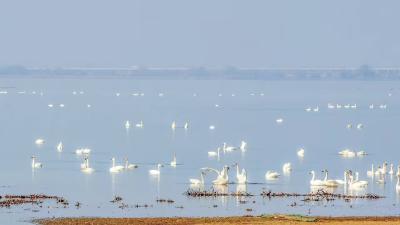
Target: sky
x: 209, y: 33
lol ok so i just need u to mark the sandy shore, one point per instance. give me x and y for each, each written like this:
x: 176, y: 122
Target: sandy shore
x: 268, y: 220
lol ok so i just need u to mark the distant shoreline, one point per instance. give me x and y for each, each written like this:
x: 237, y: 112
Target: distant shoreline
x: 253, y: 220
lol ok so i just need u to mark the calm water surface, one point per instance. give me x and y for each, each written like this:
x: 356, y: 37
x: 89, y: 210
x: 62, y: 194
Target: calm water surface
x: 248, y: 115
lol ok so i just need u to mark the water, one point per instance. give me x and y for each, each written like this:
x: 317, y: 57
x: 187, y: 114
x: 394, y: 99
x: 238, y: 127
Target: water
x: 26, y: 117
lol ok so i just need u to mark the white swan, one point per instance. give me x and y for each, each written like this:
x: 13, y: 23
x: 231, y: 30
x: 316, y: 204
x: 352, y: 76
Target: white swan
x: 60, y: 146
x: 355, y: 183
x: 347, y: 153
x: 173, y: 125
x: 349, y: 126
x: 81, y: 151
x: 140, y: 124
x: 371, y: 106
x: 227, y: 148
x: 222, y: 177
x: 214, y: 153
x: 391, y: 170
x: 211, y: 127
x: 39, y: 141
x: 345, y: 180
x: 85, y: 167
x: 398, y: 171
x: 186, y: 126
x: 129, y: 166
x: 329, y: 183
x: 155, y: 172
x: 361, y: 153
x: 243, y: 146
x: 127, y: 124
x: 271, y: 175
x: 173, y: 162
x: 115, y: 168
x: 300, y: 152
x: 36, y: 164
x: 315, y: 182
x: 308, y: 109
x: 316, y: 109
x: 241, y: 177
x: 279, y: 120
x: 360, y: 126
x: 398, y: 184
x: 371, y: 172
x: 198, y: 182
x: 287, y: 168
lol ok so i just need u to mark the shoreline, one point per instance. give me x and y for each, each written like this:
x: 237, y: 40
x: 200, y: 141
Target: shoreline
x: 241, y: 220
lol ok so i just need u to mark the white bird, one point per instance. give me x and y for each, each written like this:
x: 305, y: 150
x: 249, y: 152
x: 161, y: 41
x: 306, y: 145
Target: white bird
x: 117, y: 94
x: 271, y: 175
x: 243, y: 146
x: 50, y: 105
x: 398, y: 171
x: 241, y: 177
x: 362, y: 153
x: 345, y: 180
x: 331, y: 106
x: 115, y: 168
x: 279, y: 120
x: 155, y: 172
x: 227, y: 148
x: 81, y: 151
x: 127, y: 124
x: 62, y: 105
x: 198, y: 182
x: 391, y: 170
x: 39, y: 141
x: 316, y: 109
x: 140, y: 124
x: 315, y: 182
x: 371, y: 172
x: 60, y: 146
x: 308, y: 109
x: 300, y: 152
x: 222, y: 177
x: 214, y: 153
x: 186, y: 126
x: 173, y: 162
x: 173, y: 125
x: 35, y: 164
x: 349, y: 126
x: 287, y: 167
x: 371, y: 106
x: 129, y: 166
x: 328, y: 182
x: 356, y: 183
x: 360, y: 126
x: 211, y: 127
x: 347, y: 153
x: 398, y: 184
x: 85, y: 167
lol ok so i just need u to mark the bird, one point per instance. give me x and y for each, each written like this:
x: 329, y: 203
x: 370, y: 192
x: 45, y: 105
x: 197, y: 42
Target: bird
x: 155, y: 172
x: 60, y: 146
x: 127, y: 124
x: 173, y: 162
x: 360, y: 126
x: 329, y: 183
x: 279, y: 120
x: 398, y: 184
x: 315, y: 182
x: 129, y: 166
x: 186, y: 126
x: 173, y: 125
x: 36, y: 164
x: 347, y: 153
x: 115, y: 168
x: 140, y: 124
x: 243, y: 146
x: 227, y: 148
x: 356, y: 183
x: 271, y: 175
x: 39, y: 141
x: 371, y: 172
x: 222, y: 176
x: 361, y: 153
x: 241, y: 177
x: 300, y: 152
x: 287, y: 167
x: 391, y: 170
x: 85, y: 167
x: 214, y: 153
x: 211, y: 127
x: 81, y: 151
x: 398, y: 171
x: 198, y: 182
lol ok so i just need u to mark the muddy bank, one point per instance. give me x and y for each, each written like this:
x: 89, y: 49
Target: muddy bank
x: 262, y: 220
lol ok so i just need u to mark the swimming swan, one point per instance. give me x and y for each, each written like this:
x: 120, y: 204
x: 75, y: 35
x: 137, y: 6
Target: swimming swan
x: 173, y: 162
x: 115, y: 168
x: 271, y: 175
x: 85, y: 167
x: 314, y: 182
x: 300, y: 152
x: 39, y: 141
x: 36, y: 164
x: 155, y: 172
x: 60, y: 146
x: 197, y: 182
x: 129, y: 166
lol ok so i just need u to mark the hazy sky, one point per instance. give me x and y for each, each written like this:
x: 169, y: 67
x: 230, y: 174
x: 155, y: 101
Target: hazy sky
x: 247, y: 33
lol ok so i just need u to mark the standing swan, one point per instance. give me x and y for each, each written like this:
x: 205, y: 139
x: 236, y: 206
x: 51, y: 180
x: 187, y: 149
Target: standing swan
x: 35, y: 164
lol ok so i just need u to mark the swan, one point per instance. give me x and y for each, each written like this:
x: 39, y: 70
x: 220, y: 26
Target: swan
x: 398, y: 184
x: 186, y: 126
x: 243, y: 146
x: 60, y: 146
x: 117, y: 94
x: 357, y: 183
x: 222, y: 177
x: 155, y: 172
x: 271, y: 175
x: 129, y: 166
x: 85, y: 166
x: 316, y: 109
x: 354, y: 106
x: 314, y: 182
x: 173, y: 162
x: 308, y: 109
x: 140, y: 124
x: 89, y: 105
x: 62, y: 105
x: 330, y: 183
x: 115, y: 168
x: 347, y: 153
x: 371, y: 106
x: 227, y: 148
x: 36, y: 164
x: 198, y: 182
x: 211, y: 127
x: 398, y: 171
x: 300, y: 152
x: 241, y: 177
x: 360, y: 126
x: 371, y: 172
x: 331, y: 106
x: 287, y: 167
x: 349, y: 126
x: 279, y: 120
x: 39, y: 141
x: 173, y: 125
x: 391, y: 170
x: 362, y: 153
x: 127, y: 124
x: 344, y: 181
x: 347, y: 106
x: 214, y: 153
x: 50, y: 105
x: 81, y: 151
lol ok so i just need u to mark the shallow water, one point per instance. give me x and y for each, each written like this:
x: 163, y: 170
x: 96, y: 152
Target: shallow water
x: 25, y: 116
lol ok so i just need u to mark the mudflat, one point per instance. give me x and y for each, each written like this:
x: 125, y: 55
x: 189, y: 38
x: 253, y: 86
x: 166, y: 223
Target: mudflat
x: 262, y: 220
